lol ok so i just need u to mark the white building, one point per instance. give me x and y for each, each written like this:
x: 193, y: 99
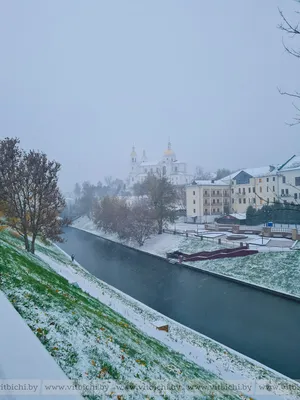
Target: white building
x: 167, y: 166
x: 251, y: 186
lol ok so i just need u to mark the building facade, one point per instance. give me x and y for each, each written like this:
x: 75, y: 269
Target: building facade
x: 207, y: 198
x: 254, y: 187
x: 168, y: 165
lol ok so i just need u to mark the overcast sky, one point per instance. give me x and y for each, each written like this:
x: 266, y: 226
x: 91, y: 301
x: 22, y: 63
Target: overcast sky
x: 84, y: 80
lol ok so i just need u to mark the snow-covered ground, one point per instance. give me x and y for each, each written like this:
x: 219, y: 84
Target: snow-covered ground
x: 275, y: 268
x: 85, y: 333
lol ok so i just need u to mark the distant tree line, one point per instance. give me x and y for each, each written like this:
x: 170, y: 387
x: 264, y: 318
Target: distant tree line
x: 281, y: 213
x: 30, y: 199
x: 87, y: 194
x: 200, y: 174
x: 153, y: 207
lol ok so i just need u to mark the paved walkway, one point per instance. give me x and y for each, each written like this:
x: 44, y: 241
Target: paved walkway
x: 24, y: 360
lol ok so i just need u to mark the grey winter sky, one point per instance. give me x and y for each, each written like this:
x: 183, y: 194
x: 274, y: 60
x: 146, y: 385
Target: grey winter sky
x: 84, y: 80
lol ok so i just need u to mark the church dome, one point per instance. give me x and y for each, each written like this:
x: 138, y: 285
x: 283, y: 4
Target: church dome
x: 133, y: 153
x: 169, y: 152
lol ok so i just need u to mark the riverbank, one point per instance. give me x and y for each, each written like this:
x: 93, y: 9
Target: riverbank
x: 95, y: 332
x: 277, y: 271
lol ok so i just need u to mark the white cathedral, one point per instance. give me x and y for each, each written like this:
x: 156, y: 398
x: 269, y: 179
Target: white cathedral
x: 168, y: 166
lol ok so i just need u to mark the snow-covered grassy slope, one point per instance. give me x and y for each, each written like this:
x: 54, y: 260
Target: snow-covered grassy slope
x: 97, y: 333
x: 277, y: 270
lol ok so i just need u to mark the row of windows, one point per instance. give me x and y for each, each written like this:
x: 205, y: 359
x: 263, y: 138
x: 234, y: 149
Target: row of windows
x: 206, y: 210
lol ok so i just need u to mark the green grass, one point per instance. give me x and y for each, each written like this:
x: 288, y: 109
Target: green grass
x: 86, y: 338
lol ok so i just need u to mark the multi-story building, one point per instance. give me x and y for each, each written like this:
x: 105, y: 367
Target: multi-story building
x: 206, y: 199
x: 251, y: 186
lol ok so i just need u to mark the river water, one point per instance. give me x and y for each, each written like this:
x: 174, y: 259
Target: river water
x: 260, y: 325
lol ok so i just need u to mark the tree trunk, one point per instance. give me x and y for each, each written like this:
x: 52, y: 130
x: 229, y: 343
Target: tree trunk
x: 160, y: 226
x: 32, y: 248
x: 26, y: 242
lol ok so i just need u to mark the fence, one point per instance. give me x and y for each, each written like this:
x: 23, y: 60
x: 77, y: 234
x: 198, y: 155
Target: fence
x: 204, y: 236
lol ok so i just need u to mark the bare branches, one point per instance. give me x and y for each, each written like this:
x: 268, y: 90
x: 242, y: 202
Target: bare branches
x: 293, y: 30
x: 286, y: 26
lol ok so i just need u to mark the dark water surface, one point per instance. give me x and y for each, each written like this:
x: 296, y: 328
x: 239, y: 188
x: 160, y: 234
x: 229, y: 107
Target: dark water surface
x: 260, y: 325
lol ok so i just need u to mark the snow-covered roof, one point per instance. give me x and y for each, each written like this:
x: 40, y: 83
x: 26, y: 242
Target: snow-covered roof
x: 149, y: 163
x: 210, y: 182
x: 240, y: 216
x: 255, y: 172
x: 294, y: 163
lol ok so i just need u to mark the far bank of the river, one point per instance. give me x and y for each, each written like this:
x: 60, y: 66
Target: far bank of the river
x: 275, y: 272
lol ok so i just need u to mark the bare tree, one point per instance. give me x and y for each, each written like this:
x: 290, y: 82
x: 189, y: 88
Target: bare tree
x: 181, y: 197
x: 292, y: 29
x: 141, y: 224
x: 87, y: 198
x: 222, y: 173
x: 162, y: 197
x: 29, y: 190
x: 110, y: 215
x: 77, y: 190
x: 200, y: 174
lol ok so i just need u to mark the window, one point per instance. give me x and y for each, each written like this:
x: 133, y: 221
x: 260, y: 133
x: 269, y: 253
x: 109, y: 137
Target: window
x: 205, y: 192
x: 268, y: 200
x: 253, y: 189
x: 267, y: 179
x: 232, y: 191
x: 295, y: 196
x: 218, y: 192
x: 176, y: 169
x: 205, y: 211
x: 260, y: 189
x: 232, y: 200
x: 286, y: 191
x: 249, y: 190
x: 297, y: 181
x: 273, y: 188
x: 274, y: 199
x: 213, y: 192
x: 194, y: 192
x: 218, y: 201
x: 283, y: 179
x: 205, y: 201
x: 259, y: 180
x: 273, y: 178
x: 194, y: 201
x: 214, y: 201
x: 244, y: 201
x: 254, y: 200
x: 267, y: 188
x: 244, y: 191
x: 282, y: 191
x: 218, y: 210
x: 239, y: 190
x: 214, y: 210
x: 240, y: 201
x: 194, y: 211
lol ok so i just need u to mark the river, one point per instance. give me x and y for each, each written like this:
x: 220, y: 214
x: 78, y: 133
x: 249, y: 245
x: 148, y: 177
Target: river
x: 261, y: 325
